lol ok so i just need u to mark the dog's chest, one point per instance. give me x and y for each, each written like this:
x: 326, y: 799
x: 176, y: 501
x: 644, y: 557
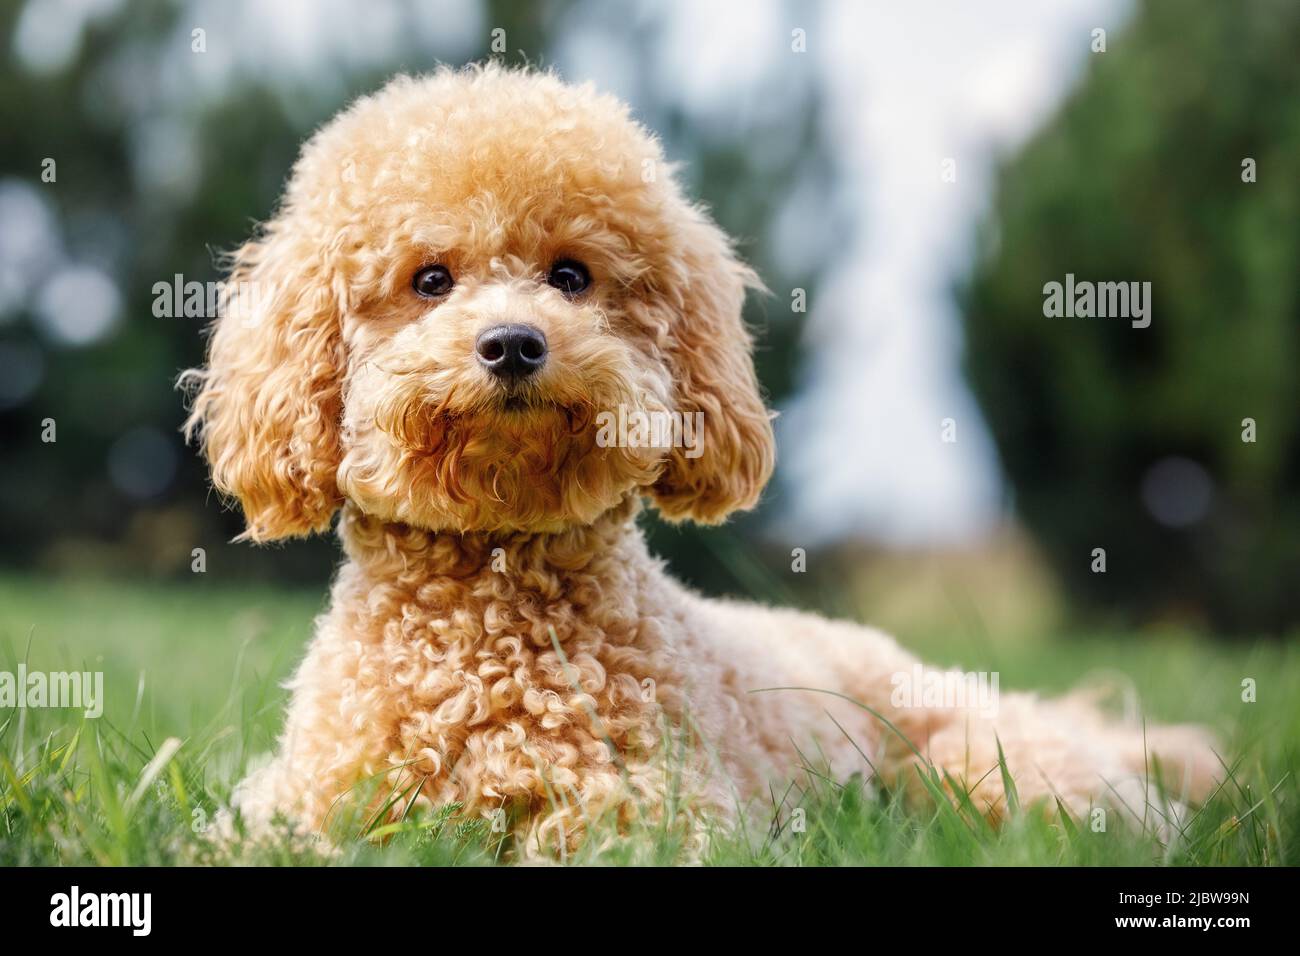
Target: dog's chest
x: 507, y: 684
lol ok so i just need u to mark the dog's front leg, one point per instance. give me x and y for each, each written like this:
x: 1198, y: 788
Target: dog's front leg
x: 334, y: 744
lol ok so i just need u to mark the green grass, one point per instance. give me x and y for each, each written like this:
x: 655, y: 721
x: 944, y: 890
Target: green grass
x: 192, y: 675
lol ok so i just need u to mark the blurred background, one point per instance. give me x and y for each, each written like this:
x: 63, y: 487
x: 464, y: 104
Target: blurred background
x: 904, y: 176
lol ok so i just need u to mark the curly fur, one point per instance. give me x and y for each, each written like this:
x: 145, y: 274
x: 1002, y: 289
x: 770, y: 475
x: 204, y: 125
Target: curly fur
x: 499, y: 634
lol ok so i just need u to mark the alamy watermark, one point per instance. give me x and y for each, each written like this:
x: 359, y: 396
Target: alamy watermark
x: 634, y: 428
x: 1102, y: 300
x: 923, y: 687
x: 82, y: 690
x: 179, y: 299
x: 133, y: 911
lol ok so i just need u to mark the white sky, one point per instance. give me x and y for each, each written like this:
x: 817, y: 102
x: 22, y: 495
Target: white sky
x: 912, y: 84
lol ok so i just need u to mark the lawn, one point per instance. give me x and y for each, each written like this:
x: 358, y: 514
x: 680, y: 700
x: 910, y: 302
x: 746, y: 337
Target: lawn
x: 191, y: 681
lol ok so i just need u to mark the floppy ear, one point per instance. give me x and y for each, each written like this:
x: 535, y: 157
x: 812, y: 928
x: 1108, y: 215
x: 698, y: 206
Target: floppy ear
x: 269, y: 401
x: 709, y: 352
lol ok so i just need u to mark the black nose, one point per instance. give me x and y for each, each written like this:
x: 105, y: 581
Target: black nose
x: 511, y: 351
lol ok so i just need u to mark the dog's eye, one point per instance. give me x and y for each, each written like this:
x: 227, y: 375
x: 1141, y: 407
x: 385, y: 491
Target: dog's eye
x: 433, y: 281
x: 569, y: 276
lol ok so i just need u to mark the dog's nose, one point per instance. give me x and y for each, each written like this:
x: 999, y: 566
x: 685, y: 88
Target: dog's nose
x: 511, y: 351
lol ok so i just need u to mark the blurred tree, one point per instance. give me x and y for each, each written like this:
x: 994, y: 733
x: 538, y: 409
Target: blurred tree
x: 1131, y: 439
x: 118, y: 491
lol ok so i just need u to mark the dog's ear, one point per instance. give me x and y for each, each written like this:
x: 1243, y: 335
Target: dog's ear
x: 709, y: 353
x: 268, y: 405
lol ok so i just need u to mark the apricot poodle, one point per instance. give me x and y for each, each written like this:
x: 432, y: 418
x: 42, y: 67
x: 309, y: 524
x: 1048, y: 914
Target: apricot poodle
x: 467, y: 270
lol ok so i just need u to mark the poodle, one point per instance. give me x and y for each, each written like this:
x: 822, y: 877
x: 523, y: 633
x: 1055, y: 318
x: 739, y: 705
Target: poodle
x: 468, y: 273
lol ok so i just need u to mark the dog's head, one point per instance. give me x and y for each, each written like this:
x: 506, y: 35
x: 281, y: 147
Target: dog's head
x: 484, y: 304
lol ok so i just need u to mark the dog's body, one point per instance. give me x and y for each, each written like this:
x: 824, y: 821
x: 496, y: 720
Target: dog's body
x: 499, y: 635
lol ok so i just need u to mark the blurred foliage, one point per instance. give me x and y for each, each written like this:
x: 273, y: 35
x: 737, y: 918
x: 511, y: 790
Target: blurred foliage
x: 1139, y: 177
x: 59, y: 506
